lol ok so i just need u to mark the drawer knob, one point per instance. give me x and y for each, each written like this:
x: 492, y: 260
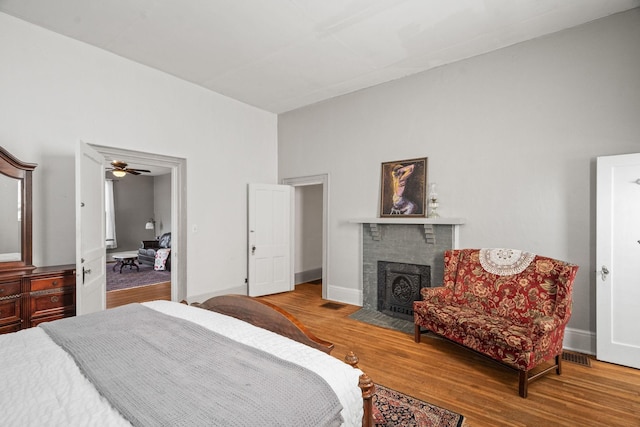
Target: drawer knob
x: 54, y: 283
x: 54, y: 299
x: 1, y: 290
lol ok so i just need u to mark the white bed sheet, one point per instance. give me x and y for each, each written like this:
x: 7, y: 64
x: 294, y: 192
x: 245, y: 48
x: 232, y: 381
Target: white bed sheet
x: 43, y: 386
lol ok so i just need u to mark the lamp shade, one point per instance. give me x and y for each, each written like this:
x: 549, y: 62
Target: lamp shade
x: 119, y: 173
x: 149, y: 225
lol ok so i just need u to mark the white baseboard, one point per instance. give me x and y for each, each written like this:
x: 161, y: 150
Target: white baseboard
x: 345, y: 295
x: 308, y: 275
x: 580, y: 341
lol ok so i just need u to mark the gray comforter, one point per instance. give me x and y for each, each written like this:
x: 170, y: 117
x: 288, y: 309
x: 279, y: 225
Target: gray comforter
x: 160, y: 370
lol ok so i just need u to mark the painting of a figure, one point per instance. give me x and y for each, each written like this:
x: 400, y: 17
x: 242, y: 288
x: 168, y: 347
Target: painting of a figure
x: 403, y: 188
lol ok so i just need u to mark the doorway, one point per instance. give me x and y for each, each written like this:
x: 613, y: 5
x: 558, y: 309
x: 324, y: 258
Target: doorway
x: 177, y: 170
x: 321, y: 183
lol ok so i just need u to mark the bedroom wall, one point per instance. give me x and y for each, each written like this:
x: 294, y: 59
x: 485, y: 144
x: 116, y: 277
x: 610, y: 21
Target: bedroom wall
x: 55, y: 91
x: 133, y: 201
x: 308, y: 233
x: 511, y: 136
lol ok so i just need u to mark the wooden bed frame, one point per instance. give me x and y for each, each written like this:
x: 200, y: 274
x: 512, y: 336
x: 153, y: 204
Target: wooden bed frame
x: 271, y: 317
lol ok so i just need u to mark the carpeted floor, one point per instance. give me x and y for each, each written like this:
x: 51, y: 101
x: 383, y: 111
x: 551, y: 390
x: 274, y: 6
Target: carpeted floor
x: 130, y: 278
x: 392, y: 408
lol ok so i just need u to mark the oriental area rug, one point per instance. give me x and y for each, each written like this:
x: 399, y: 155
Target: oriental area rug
x: 131, y: 278
x: 392, y: 408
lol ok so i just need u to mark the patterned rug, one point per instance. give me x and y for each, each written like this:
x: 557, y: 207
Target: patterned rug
x: 392, y: 408
x: 131, y: 278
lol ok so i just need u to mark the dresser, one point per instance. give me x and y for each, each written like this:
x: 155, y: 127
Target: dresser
x: 42, y: 295
x: 29, y: 295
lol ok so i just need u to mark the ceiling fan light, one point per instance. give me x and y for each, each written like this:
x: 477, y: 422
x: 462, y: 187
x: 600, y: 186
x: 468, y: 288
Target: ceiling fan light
x: 119, y: 173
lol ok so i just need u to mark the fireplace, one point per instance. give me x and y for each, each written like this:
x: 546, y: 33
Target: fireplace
x: 418, y: 241
x: 399, y: 285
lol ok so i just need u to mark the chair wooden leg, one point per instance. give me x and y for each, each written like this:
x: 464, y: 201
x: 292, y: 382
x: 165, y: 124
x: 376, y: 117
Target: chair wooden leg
x: 559, y: 364
x: 523, y: 384
x: 416, y: 333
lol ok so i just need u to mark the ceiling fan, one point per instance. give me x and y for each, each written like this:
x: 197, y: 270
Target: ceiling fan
x: 120, y: 169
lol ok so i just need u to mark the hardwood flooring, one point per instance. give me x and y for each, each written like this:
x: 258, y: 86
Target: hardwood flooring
x: 145, y: 293
x: 485, y: 392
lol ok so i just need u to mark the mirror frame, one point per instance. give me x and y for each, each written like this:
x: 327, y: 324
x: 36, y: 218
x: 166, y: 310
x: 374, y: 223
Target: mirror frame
x: 16, y: 169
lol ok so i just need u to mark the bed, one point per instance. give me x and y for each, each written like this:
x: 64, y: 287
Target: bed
x: 166, y: 363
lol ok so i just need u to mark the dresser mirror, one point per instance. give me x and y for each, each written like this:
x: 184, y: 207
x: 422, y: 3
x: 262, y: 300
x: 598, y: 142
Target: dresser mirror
x: 15, y: 214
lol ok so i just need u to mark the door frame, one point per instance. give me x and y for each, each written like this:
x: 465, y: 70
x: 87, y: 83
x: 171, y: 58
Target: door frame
x: 178, y: 167
x: 322, y: 179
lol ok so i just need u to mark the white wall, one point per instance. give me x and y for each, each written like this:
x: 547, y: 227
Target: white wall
x: 55, y: 91
x: 511, y: 138
x: 162, y: 204
x: 308, y: 230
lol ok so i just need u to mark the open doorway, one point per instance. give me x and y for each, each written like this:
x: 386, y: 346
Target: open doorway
x: 138, y: 227
x: 164, y: 215
x: 311, y: 238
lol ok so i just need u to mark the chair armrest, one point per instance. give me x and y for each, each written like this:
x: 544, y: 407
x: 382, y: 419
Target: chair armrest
x: 441, y: 293
x: 149, y: 244
x: 543, y: 325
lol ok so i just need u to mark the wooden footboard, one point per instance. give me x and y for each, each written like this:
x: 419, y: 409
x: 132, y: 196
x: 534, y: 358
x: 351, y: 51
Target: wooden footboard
x: 271, y: 317
x: 266, y: 316
x: 368, y: 389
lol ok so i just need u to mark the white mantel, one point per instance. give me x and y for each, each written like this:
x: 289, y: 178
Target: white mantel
x: 427, y: 223
x: 409, y: 220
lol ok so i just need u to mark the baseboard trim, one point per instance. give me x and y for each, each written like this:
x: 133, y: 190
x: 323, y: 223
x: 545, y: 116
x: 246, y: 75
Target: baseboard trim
x: 308, y: 276
x: 345, y: 295
x: 580, y: 341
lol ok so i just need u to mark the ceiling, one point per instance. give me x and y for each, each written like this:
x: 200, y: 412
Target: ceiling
x: 280, y: 55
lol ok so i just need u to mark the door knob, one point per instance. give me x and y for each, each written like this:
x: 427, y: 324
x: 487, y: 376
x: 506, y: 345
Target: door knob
x: 253, y: 250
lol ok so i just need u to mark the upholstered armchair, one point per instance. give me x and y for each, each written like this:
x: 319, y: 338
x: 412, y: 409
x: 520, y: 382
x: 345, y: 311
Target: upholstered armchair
x: 510, y: 305
x: 148, y: 249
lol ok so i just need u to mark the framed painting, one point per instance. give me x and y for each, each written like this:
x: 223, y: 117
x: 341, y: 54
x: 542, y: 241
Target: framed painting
x: 403, y: 188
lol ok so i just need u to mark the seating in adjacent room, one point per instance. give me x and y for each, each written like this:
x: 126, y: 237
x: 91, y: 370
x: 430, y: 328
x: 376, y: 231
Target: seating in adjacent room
x: 150, y: 248
x: 507, y: 304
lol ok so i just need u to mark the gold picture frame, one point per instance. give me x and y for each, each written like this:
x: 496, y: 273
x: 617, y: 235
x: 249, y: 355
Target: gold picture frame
x: 403, y: 187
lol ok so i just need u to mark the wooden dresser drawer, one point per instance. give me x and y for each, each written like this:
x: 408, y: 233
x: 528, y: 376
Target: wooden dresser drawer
x: 52, y: 302
x: 55, y: 282
x: 10, y: 288
x: 10, y: 310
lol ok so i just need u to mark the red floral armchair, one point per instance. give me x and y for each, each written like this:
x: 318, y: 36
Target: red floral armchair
x: 510, y: 305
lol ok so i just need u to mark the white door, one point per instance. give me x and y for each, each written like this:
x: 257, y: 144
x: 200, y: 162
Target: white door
x: 270, y: 266
x: 618, y: 259
x: 90, y: 234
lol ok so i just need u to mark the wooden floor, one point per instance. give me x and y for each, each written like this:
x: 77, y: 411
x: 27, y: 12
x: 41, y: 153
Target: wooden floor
x: 485, y: 392
x: 145, y: 293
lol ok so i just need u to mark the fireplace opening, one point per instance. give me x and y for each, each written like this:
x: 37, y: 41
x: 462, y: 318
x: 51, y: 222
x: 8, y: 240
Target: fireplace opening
x: 399, y: 285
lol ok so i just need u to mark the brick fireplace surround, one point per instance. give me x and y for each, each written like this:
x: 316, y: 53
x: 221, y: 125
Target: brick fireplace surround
x: 420, y: 241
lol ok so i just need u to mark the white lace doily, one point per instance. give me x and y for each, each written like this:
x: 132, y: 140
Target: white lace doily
x: 505, y: 262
